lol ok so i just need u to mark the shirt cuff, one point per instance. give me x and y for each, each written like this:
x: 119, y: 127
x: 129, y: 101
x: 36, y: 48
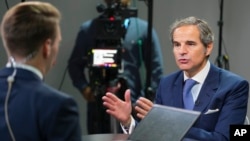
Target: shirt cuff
x: 128, y: 130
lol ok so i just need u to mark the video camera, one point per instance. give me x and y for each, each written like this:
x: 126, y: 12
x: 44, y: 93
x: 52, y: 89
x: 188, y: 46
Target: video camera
x: 111, y: 29
x: 105, y: 58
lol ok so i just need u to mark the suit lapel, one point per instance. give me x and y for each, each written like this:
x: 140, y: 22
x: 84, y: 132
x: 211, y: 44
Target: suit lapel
x: 178, y: 90
x: 208, y: 89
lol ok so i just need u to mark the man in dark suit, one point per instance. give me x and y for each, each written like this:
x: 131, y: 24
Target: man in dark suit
x: 221, y: 96
x: 30, y: 110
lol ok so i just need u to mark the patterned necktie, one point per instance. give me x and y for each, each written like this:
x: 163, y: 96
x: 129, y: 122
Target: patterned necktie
x: 187, y: 95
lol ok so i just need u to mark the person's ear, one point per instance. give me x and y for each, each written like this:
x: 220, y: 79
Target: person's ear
x: 47, y: 48
x: 208, y: 49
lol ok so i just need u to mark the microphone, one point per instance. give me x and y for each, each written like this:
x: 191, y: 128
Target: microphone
x: 197, y: 102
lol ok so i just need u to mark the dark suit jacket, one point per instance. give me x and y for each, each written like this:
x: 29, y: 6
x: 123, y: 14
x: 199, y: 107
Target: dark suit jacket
x: 36, y: 111
x: 221, y: 90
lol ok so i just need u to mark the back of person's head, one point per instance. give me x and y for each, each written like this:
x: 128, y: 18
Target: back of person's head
x: 206, y: 34
x: 27, y: 25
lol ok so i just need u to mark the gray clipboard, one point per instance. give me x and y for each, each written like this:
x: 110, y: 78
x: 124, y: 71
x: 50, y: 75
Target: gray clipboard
x: 164, y: 123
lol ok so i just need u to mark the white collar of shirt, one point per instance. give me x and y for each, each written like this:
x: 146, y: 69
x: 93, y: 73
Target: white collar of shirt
x: 200, y: 78
x: 27, y: 67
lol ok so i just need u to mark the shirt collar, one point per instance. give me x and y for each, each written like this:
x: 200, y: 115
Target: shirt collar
x: 200, y: 76
x: 27, y: 67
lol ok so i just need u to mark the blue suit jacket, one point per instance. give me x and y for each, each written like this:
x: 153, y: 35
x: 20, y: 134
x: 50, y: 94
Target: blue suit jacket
x: 221, y: 90
x: 36, y: 111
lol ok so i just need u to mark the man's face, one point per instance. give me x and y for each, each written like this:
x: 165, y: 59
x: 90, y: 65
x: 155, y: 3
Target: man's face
x: 190, y: 54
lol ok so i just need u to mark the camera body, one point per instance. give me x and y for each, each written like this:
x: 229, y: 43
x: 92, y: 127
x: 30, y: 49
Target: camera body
x: 105, y: 59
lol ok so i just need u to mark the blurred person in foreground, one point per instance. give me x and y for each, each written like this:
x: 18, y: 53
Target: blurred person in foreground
x: 30, y: 110
x: 134, y: 54
x: 216, y: 89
